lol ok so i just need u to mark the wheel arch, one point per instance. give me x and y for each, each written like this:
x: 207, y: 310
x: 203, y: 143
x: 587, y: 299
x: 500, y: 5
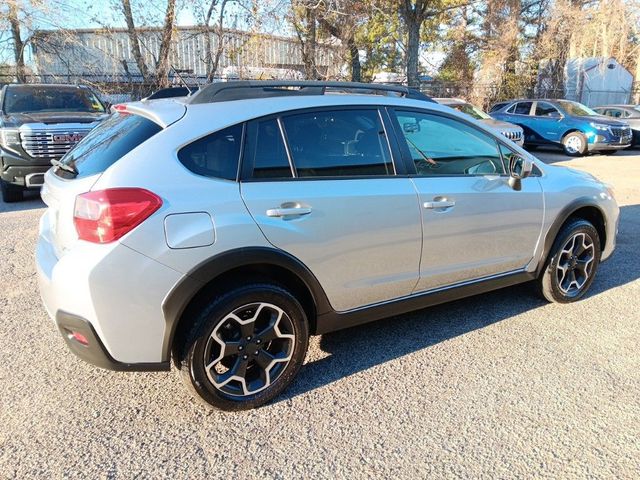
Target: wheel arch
x: 230, y: 269
x: 583, y: 208
x: 571, y: 130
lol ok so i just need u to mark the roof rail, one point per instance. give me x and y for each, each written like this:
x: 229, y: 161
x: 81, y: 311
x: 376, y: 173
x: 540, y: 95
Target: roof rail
x: 246, y: 89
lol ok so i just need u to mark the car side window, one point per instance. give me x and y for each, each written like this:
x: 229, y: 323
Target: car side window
x: 522, y: 108
x: 444, y: 146
x: 544, y: 109
x: 266, y: 151
x: 215, y: 155
x: 338, y: 143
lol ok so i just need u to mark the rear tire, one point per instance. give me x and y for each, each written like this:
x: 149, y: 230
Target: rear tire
x: 11, y: 193
x: 574, y: 144
x: 572, y: 263
x: 245, y: 347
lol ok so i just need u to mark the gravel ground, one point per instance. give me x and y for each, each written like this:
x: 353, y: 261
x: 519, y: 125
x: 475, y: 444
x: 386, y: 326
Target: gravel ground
x: 500, y: 385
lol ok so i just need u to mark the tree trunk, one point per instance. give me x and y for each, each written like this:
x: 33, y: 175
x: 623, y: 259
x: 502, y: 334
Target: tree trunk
x: 162, y: 66
x: 356, y: 68
x: 135, y: 43
x: 413, y: 50
x: 18, y: 45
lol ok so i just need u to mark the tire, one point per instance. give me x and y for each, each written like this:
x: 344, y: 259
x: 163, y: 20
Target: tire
x: 530, y: 148
x: 565, y: 260
x: 11, y: 193
x: 219, y: 351
x: 574, y: 144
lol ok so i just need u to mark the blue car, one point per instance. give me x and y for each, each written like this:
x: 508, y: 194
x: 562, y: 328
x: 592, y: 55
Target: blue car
x: 563, y: 123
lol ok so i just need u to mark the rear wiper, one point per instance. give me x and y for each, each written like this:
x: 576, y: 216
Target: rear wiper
x: 64, y: 166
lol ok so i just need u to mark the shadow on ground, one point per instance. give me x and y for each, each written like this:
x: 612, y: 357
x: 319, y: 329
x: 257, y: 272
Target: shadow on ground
x: 31, y: 201
x: 360, y: 348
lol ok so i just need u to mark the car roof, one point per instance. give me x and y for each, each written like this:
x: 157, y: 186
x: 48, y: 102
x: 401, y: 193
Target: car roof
x: 207, y: 117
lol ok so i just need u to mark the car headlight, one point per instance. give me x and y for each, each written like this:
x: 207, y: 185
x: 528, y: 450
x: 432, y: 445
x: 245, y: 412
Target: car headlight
x: 9, y: 138
x: 599, y: 126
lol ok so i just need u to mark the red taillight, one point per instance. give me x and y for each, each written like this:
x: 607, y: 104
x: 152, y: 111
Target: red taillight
x: 106, y: 215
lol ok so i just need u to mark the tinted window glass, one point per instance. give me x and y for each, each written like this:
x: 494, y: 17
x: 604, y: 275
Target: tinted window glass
x: 266, y: 151
x: 215, y: 155
x: 50, y: 99
x: 522, y: 108
x: 108, y: 142
x: 498, y: 106
x: 544, y: 109
x: 338, y: 143
x: 442, y: 146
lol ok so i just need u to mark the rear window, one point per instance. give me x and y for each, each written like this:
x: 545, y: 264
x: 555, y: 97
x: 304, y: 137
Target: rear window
x: 107, y: 143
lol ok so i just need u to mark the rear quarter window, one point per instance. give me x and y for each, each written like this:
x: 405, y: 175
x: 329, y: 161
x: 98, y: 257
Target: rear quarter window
x: 107, y: 143
x: 215, y: 155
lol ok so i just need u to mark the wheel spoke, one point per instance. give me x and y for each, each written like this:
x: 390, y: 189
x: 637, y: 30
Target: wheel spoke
x: 264, y: 359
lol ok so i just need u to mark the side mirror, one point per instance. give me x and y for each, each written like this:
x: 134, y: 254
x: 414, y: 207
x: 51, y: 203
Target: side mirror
x: 519, y: 168
x: 555, y: 115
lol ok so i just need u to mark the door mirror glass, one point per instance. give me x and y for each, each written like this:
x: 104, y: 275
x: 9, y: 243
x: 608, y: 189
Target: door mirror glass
x: 519, y: 168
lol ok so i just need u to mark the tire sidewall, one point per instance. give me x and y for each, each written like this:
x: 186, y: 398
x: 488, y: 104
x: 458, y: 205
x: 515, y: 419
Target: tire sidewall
x: 582, y: 138
x: 193, y: 356
x: 550, y: 286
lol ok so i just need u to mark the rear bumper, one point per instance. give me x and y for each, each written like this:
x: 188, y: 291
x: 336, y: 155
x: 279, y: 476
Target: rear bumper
x: 93, y: 350
x: 115, y: 292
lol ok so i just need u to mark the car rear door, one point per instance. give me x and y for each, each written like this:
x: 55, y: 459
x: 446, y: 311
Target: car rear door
x: 475, y: 225
x: 322, y: 185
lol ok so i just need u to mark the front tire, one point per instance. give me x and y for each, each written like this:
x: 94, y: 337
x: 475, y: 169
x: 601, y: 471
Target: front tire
x: 245, y: 347
x: 572, y: 263
x: 11, y: 193
x: 574, y: 144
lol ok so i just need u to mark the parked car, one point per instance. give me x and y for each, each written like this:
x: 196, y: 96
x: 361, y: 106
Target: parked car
x: 627, y: 113
x: 39, y: 123
x: 570, y: 125
x: 509, y: 130
x: 221, y: 230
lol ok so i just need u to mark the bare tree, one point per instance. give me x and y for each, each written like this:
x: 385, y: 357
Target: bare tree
x: 18, y: 45
x: 160, y: 75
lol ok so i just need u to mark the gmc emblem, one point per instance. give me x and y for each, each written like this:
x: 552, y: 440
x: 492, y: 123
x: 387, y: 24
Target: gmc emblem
x: 68, y: 137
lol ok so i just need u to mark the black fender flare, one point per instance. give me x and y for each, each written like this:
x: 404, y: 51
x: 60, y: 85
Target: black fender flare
x: 198, y: 277
x: 566, y: 212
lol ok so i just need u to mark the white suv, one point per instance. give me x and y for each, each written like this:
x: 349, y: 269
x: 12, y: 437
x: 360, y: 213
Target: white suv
x: 221, y: 230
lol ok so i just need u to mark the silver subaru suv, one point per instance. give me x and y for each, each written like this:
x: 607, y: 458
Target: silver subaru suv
x: 219, y: 231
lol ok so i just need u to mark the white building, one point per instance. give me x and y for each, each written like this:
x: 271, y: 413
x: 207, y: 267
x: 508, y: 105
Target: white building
x: 105, y: 55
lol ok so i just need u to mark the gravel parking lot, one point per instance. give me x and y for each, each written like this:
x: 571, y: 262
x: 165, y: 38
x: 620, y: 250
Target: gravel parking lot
x: 499, y: 385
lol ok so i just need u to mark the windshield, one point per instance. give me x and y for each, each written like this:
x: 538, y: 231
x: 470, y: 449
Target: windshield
x: 107, y: 143
x: 576, y: 109
x: 50, y: 99
x: 472, y: 110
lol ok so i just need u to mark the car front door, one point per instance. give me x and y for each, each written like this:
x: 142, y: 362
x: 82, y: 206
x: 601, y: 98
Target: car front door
x: 322, y: 185
x: 475, y: 225
x: 548, y: 120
